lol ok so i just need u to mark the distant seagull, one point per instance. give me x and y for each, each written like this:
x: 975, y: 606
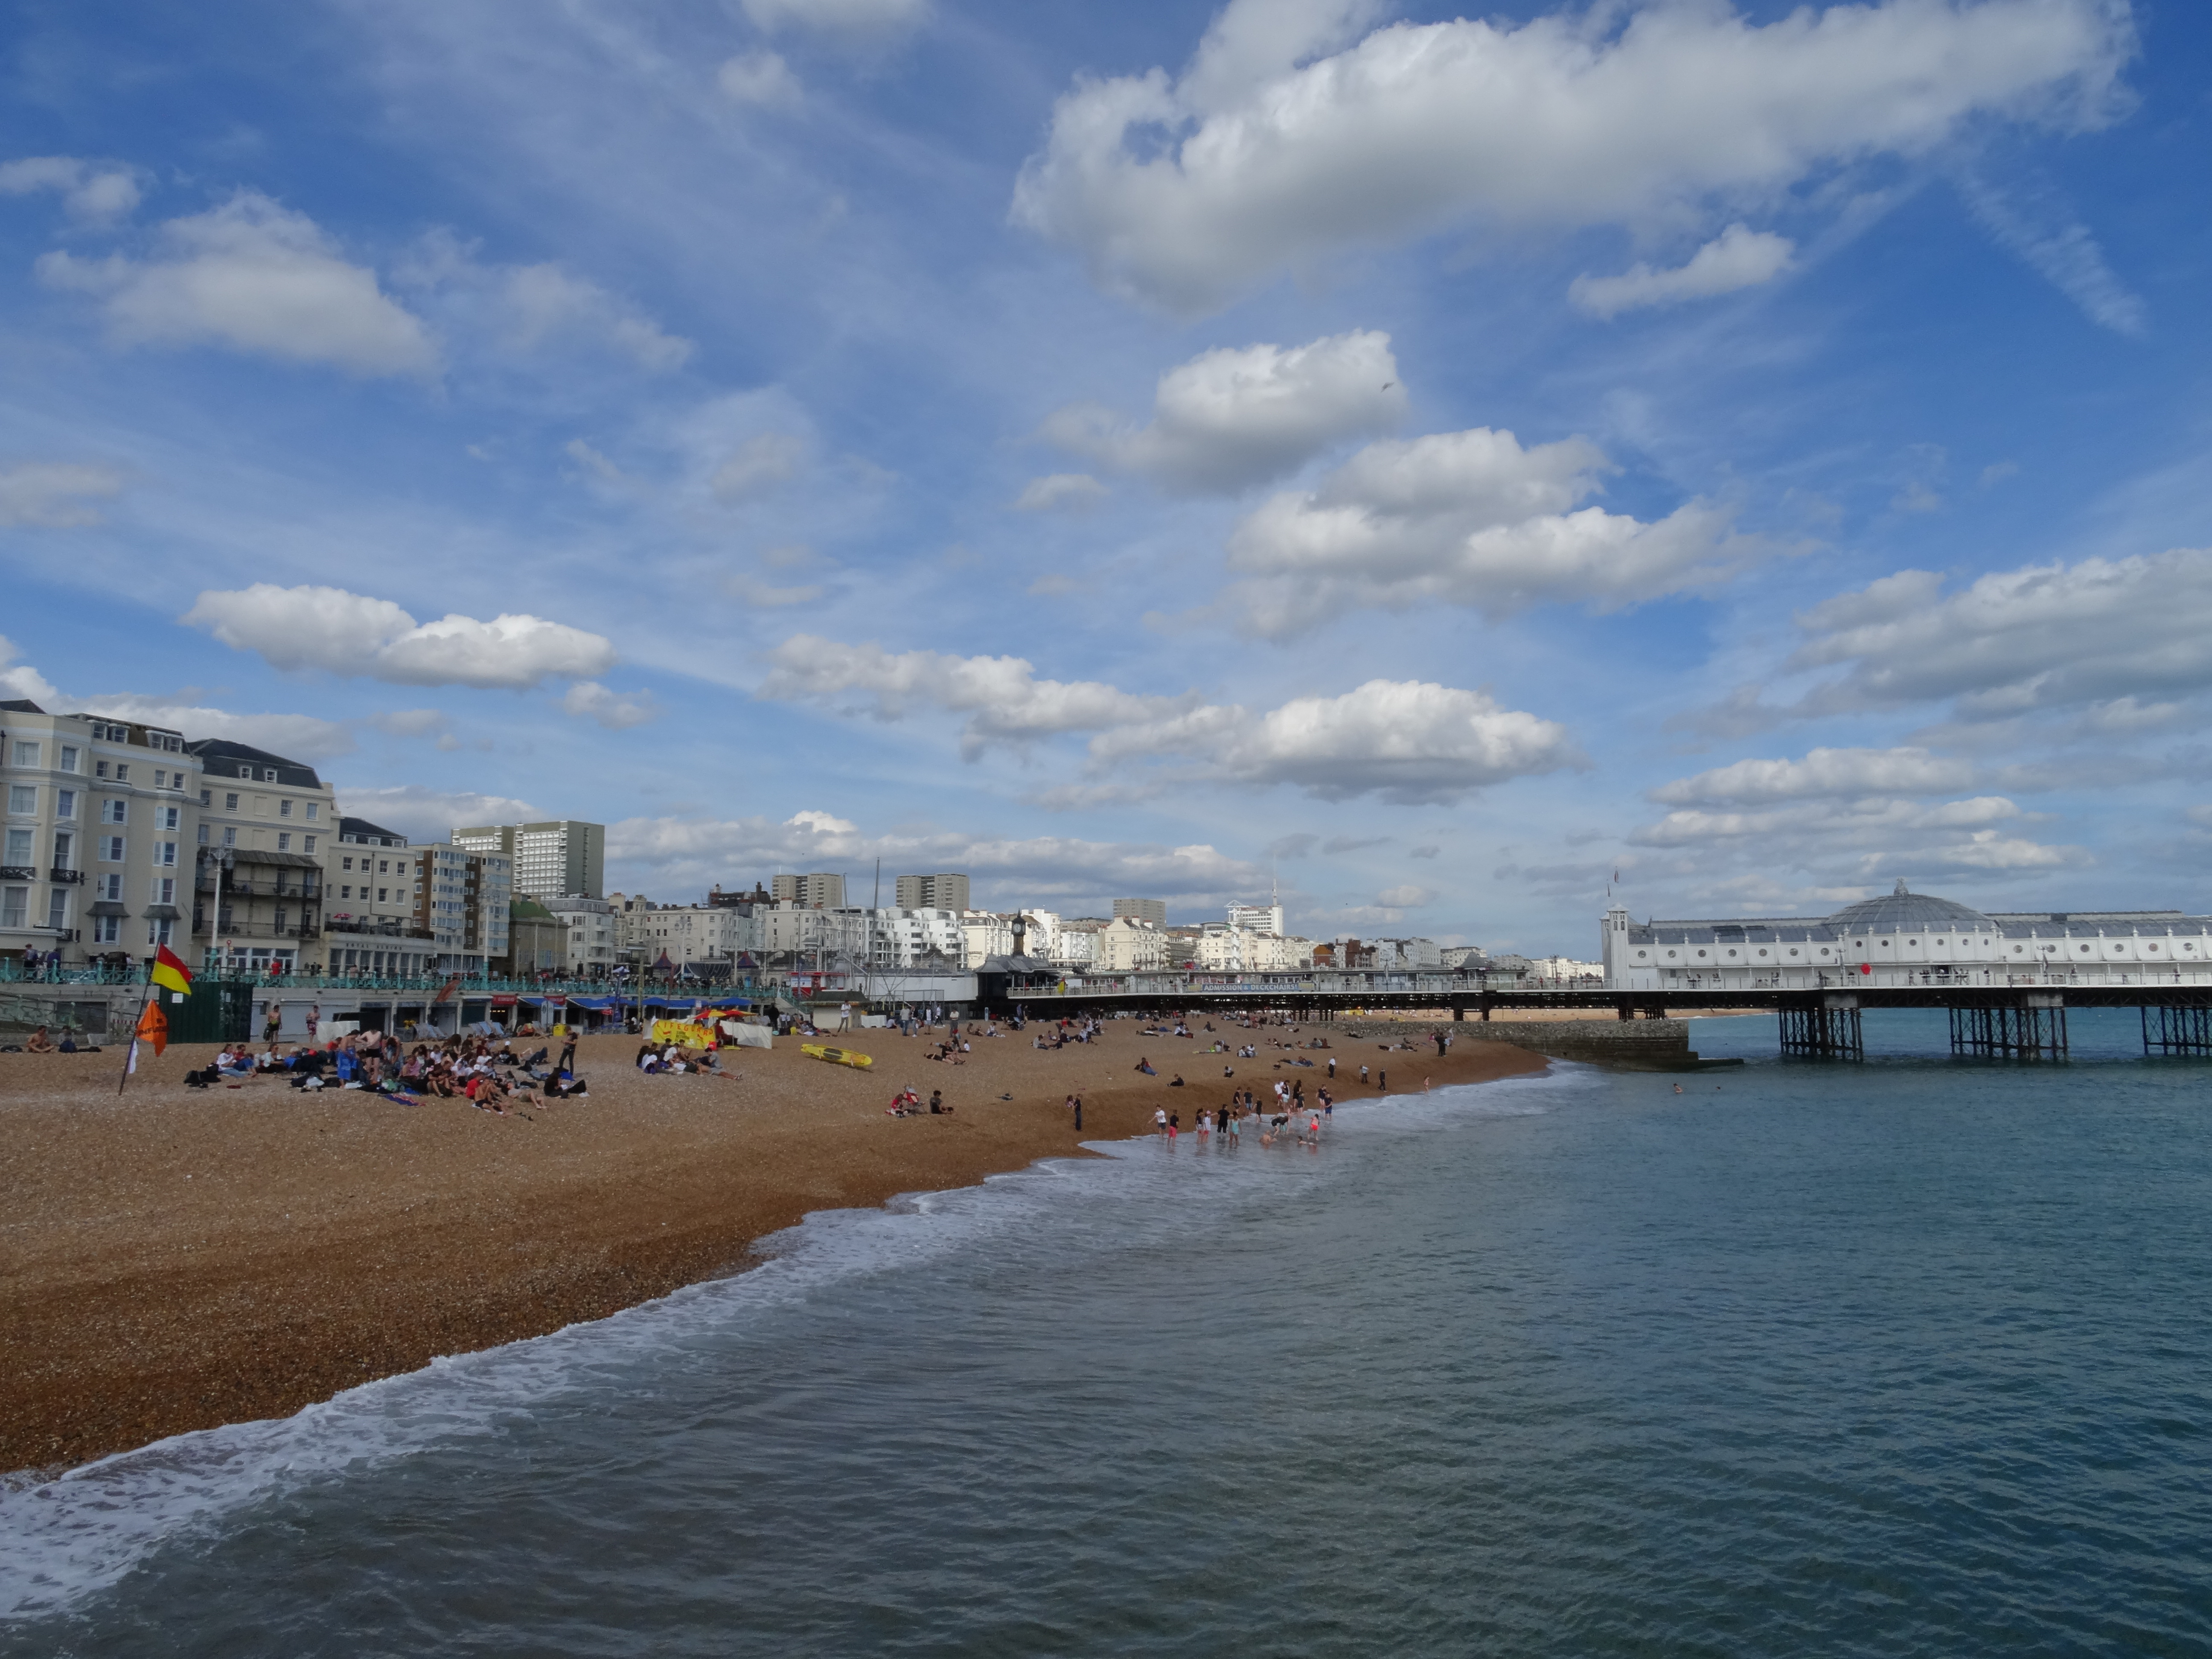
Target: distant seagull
x: 1386, y: 385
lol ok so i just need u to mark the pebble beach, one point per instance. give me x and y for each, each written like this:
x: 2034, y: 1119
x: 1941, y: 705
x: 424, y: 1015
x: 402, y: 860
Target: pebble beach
x: 173, y: 1259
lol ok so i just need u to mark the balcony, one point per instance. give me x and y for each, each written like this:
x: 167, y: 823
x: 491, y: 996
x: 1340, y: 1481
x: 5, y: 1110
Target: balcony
x: 65, y: 877
x: 18, y: 873
x: 378, y: 929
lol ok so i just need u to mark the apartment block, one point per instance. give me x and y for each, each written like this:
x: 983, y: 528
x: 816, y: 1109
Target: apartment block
x: 92, y: 848
x: 373, y: 885
x: 819, y: 892
x: 1154, y: 911
x: 266, y: 826
x: 594, y: 934
x: 553, y: 859
x: 938, y: 892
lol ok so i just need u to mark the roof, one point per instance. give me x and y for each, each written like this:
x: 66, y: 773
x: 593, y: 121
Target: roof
x: 20, y: 706
x: 1906, y: 912
x: 223, y: 759
x: 363, y: 827
x: 528, y: 910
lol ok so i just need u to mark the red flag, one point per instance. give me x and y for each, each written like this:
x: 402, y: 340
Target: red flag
x: 170, y: 972
x: 446, y: 991
x: 154, y: 1028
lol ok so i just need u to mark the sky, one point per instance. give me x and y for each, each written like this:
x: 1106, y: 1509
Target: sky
x: 1459, y: 470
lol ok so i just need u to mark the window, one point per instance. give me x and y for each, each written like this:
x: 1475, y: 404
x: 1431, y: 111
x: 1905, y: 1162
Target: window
x: 345, y: 892
x: 19, y: 848
x: 314, y: 811
x: 284, y: 808
x: 115, y: 811
x: 280, y: 918
x: 158, y: 932
x: 165, y: 853
x: 106, y: 930
x: 268, y: 774
x: 57, y: 909
x: 122, y: 772
x: 26, y: 754
x: 69, y: 758
x: 230, y: 800
x: 100, y: 768
x: 22, y: 798
x: 161, y: 779
x: 204, y: 834
x: 164, y: 890
x: 14, y: 902
x: 64, y: 846
x: 383, y: 867
x: 207, y: 797
x: 109, y: 887
x: 230, y: 836
x: 167, y: 817
x: 111, y: 849
x: 383, y: 894
x: 346, y: 863
x: 308, y: 844
x: 64, y: 803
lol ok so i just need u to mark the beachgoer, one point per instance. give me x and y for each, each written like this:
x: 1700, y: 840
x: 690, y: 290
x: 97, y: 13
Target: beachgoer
x: 1175, y: 1125
x: 40, y: 1043
x: 1363, y: 1076
x: 1159, y: 1120
x: 273, y: 1024
x: 1381, y: 1079
x: 1079, y: 1113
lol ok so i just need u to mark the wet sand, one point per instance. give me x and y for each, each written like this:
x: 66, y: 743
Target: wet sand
x: 174, y: 1260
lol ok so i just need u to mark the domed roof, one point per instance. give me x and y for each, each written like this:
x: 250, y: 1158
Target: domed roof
x: 1903, y: 912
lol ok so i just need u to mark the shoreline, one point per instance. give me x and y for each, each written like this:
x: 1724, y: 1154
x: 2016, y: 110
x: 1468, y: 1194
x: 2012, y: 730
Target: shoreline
x: 177, y: 1260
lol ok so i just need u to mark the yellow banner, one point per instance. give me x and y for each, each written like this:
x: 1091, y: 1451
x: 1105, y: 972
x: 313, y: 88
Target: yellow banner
x: 684, y: 1033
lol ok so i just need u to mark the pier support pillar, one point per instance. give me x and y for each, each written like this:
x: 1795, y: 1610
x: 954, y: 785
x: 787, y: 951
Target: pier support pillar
x: 1827, y: 1030
x: 2035, y: 1028
x: 2178, y: 1031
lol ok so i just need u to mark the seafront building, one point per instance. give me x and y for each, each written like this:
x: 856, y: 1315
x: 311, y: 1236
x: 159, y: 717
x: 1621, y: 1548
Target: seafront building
x: 1905, y: 939
x: 1154, y: 911
x: 938, y: 892
x: 819, y: 892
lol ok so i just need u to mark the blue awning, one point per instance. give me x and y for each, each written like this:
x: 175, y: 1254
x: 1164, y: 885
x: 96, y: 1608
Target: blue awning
x: 596, y: 1005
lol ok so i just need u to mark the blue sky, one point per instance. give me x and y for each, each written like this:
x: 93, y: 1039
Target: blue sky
x: 1150, y: 449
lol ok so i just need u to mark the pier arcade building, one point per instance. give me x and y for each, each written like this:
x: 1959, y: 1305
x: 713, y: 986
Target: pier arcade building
x: 1902, y: 939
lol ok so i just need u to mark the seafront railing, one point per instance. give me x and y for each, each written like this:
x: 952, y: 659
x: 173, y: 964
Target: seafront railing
x: 473, y: 988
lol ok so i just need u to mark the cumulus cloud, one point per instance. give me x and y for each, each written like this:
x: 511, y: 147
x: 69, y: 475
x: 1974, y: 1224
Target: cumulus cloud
x: 1822, y: 774
x: 1865, y: 840
x: 1738, y: 258
x: 20, y: 680
x: 92, y: 192
x: 693, y: 851
x: 255, y: 278
x: 55, y: 494
x: 1228, y: 419
x: 1287, y: 141
x: 300, y: 737
x: 589, y: 700
x: 430, y: 815
x: 1406, y: 741
x: 1003, y: 697
x: 1469, y: 519
x: 757, y: 466
x: 328, y: 627
x: 1405, y: 898
x: 1059, y: 492
x: 760, y: 78
x: 543, y: 300
x: 856, y: 20
x: 2016, y: 642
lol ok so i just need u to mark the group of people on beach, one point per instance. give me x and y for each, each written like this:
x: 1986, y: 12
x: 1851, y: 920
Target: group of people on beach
x: 1301, y: 1123
x: 491, y: 1076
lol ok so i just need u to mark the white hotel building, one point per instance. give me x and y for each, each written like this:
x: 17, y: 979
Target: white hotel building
x: 1908, y: 940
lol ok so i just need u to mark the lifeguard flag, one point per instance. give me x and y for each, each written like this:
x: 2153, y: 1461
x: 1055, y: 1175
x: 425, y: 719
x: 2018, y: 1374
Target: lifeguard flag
x: 170, y: 972
x: 154, y: 1028
x: 446, y: 991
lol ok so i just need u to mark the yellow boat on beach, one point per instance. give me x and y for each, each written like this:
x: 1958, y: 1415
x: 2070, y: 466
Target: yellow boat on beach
x: 837, y: 1056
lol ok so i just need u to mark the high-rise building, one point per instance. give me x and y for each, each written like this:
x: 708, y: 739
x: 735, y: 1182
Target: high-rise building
x: 1256, y: 918
x: 939, y: 892
x: 1152, y: 910
x: 563, y: 858
x: 818, y: 892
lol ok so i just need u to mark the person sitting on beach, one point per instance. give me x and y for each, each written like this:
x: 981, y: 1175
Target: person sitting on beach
x: 39, y: 1042
x: 1146, y: 1067
x: 647, y: 1061
x: 563, y: 1085
x: 1177, y: 1083
x: 937, y: 1106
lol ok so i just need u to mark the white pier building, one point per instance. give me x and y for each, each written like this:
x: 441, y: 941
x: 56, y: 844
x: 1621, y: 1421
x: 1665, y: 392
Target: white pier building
x: 1909, y: 939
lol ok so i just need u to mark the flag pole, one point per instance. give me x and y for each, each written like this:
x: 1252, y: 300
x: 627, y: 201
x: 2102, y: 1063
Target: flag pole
x: 130, y: 1055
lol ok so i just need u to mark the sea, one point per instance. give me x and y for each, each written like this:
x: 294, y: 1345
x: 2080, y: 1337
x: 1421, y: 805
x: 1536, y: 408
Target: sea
x: 1906, y: 1358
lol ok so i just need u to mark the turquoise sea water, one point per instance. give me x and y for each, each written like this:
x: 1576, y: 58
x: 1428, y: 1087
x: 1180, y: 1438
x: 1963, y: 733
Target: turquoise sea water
x: 1909, y: 1358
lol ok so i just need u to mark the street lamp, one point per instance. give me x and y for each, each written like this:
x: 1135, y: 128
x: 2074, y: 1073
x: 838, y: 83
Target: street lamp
x: 222, y: 859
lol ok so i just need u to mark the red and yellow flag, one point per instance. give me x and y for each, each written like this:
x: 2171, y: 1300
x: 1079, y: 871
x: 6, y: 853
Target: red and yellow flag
x: 170, y: 972
x: 154, y: 1028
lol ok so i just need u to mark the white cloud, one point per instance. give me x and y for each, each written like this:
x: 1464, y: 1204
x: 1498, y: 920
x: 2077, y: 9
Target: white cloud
x: 328, y: 627
x: 20, y: 680
x: 298, y: 737
x: 1405, y: 898
x: 93, y: 193
x: 2014, y: 641
x: 540, y: 300
x: 852, y: 19
x: 254, y: 277
x: 2059, y: 249
x: 1186, y: 193
x: 55, y: 493
x: 1006, y: 700
x: 1060, y: 491
x: 1867, y: 840
x: 1738, y: 258
x: 589, y: 700
x: 757, y: 466
x: 1823, y: 773
x: 430, y: 815
x: 760, y: 78
x: 1469, y: 519
x: 1228, y: 419
x: 1406, y: 741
